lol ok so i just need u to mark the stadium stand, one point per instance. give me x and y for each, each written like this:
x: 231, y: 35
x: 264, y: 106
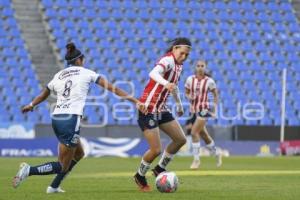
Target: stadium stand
x: 18, y: 80
x: 246, y: 45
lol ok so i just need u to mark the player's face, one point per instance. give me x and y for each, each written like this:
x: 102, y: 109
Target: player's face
x: 181, y: 53
x: 200, y: 67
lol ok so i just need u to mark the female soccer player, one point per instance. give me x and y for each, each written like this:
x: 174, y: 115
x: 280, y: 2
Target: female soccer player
x: 197, y: 88
x: 71, y: 85
x: 163, y: 81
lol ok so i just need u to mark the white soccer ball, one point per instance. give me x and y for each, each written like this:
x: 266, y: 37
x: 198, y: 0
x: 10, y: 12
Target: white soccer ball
x: 166, y: 182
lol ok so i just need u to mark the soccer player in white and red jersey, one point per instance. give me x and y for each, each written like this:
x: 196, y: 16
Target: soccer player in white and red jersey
x: 163, y: 82
x: 197, y: 87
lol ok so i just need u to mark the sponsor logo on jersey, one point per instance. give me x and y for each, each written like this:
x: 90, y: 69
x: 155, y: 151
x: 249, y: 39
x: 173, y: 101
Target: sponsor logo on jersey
x: 68, y: 73
x: 63, y: 106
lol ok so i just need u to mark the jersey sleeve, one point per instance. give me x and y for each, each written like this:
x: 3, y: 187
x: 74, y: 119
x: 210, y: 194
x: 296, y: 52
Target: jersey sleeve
x: 50, y: 85
x: 211, y: 84
x: 188, y: 83
x: 156, y: 75
x: 94, y: 77
x: 165, y: 62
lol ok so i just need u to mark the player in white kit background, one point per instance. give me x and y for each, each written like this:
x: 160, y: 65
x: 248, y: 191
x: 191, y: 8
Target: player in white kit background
x: 163, y: 81
x: 197, y: 88
x: 71, y: 85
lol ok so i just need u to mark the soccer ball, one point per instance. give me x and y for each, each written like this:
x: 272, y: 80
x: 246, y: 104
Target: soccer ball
x: 166, y: 182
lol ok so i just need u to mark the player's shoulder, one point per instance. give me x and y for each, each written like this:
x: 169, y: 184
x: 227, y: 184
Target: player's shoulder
x: 58, y: 73
x: 82, y: 70
x: 190, y: 77
x: 167, y: 58
x: 210, y: 79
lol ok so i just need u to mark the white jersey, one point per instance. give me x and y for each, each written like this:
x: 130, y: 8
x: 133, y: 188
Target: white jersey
x: 71, y: 85
x: 199, y: 89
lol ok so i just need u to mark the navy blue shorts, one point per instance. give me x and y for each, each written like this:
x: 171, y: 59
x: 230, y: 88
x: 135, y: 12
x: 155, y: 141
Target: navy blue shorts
x: 194, y: 116
x: 151, y: 120
x: 67, y: 128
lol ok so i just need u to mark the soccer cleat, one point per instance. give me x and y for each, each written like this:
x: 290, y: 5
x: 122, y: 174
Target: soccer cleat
x: 51, y: 190
x: 219, y: 159
x: 157, y: 170
x: 141, y: 183
x: 22, y: 174
x: 195, y: 164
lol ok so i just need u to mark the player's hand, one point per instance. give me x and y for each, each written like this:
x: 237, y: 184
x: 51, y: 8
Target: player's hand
x: 171, y: 86
x: 179, y: 111
x: 27, y: 108
x: 213, y: 113
x: 141, y: 107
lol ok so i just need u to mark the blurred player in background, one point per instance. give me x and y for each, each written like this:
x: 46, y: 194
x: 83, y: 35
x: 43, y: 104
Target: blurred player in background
x: 71, y: 85
x: 163, y: 81
x: 188, y: 129
x: 197, y: 87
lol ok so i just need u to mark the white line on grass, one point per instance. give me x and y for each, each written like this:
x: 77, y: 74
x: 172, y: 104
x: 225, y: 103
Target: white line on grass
x: 196, y: 173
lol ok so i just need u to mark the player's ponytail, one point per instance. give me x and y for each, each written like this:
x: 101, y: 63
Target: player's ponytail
x: 207, y: 74
x: 72, y: 54
x: 70, y: 48
x: 180, y: 41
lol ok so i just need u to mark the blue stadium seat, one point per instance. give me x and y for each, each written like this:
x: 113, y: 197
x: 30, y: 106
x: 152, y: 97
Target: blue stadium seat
x: 196, y: 15
x: 103, y: 13
x: 88, y: 4
x: 289, y: 17
x: 246, y: 5
x: 263, y: 17
x: 5, y: 3
x: 265, y: 26
x: 273, y: 6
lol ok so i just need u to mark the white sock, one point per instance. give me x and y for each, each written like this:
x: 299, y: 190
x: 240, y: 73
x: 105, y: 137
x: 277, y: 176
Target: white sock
x: 189, y: 143
x: 196, y: 150
x: 144, y: 167
x: 165, y: 159
x: 212, y: 148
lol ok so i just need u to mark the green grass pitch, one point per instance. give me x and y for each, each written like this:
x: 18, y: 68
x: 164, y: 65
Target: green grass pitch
x: 111, y: 178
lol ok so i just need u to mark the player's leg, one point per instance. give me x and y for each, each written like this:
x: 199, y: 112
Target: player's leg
x: 67, y: 129
x: 65, y: 157
x: 210, y: 145
x: 188, y: 128
x: 78, y: 154
x: 149, y: 126
x: 153, y: 139
x: 196, y: 129
x: 175, y: 132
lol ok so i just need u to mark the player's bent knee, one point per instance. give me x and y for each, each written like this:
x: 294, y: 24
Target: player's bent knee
x: 156, y: 151
x: 79, y: 156
x: 181, y: 141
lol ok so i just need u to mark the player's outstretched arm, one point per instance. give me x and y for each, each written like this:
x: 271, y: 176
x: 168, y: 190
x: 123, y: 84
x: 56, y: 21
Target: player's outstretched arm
x: 121, y: 93
x: 42, y: 96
